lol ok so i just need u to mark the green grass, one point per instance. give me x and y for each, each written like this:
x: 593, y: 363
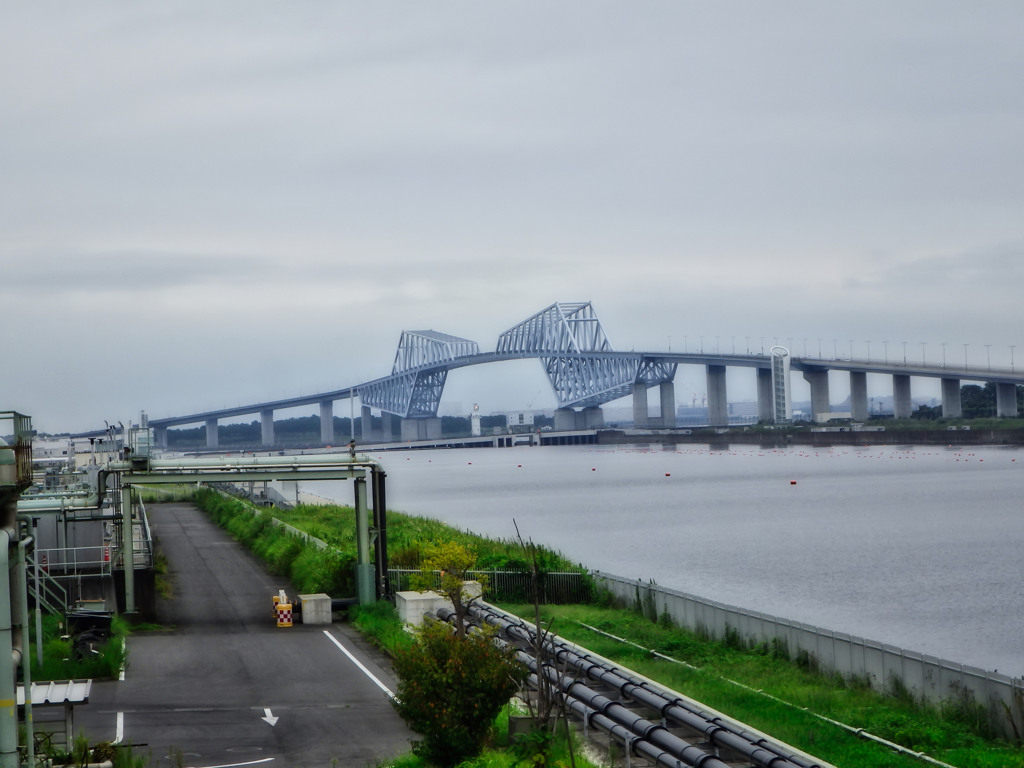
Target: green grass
x: 59, y: 662
x: 941, y: 732
x: 312, y: 569
x: 954, y: 733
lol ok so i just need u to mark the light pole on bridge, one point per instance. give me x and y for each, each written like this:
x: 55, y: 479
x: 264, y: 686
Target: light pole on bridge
x: 923, y: 344
x: 885, y: 345
x: 1011, y: 356
x: 965, y: 355
x: 988, y: 356
x: 904, y: 353
x: 868, y: 347
x: 943, y: 353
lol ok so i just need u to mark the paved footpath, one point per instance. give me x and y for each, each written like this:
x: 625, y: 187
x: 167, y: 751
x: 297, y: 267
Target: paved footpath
x: 206, y: 690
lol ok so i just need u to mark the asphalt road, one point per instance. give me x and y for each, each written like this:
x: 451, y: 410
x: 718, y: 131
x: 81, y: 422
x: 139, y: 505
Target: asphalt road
x: 205, y: 690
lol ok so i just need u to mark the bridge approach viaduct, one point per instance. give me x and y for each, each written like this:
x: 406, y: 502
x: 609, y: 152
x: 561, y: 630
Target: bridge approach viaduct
x: 586, y: 373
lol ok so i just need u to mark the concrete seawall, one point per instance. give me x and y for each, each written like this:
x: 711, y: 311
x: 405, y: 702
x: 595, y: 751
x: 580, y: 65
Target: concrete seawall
x: 929, y: 678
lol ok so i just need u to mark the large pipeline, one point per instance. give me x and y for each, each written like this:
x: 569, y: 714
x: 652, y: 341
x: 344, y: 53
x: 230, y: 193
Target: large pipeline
x: 718, y: 731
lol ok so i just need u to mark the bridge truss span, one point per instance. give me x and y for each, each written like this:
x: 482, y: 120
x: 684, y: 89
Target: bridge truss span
x: 576, y: 354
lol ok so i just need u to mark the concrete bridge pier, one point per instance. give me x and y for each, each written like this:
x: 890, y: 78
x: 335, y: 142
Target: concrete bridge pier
x: 366, y: 425
x: 859, y: 396
x: 1006, y: 400
x: 668, y: 404
x: 593, y: 417
x: 267, y: 427
x: 641, y: 418
x: 951, y: 405
x: 421, y: 429
x: 568, y: 420
x: 211, y: 433
x: 718, y: 402
x: 765, y: 396
x: 565, y: 419
x: 820, y: 406
x: 903, y: 405
x: 387, y: 427
x: 327, y: 422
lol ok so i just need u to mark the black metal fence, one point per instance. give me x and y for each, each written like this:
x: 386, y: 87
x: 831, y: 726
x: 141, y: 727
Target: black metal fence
x: 515, y: 586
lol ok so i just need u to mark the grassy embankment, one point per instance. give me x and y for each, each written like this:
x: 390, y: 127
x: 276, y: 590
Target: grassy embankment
x: 798, y: 697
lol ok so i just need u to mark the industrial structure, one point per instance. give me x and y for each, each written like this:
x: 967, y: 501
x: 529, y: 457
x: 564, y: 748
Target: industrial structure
x: 78, y: 543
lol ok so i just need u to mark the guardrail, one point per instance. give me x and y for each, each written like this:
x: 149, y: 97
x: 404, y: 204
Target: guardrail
x: 75, y: 561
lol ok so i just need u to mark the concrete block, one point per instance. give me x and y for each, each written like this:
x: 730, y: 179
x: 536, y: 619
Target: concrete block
x: 413, y: 606
x: 316, y: 608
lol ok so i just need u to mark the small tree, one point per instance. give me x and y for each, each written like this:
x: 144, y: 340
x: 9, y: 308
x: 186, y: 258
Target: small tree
x: 454, y: 561
x: 451, y: 688
x: 549, y: 705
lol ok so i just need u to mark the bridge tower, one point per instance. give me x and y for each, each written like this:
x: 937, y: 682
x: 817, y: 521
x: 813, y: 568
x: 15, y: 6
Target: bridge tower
x: 581, y: 366
x: 413, y: 391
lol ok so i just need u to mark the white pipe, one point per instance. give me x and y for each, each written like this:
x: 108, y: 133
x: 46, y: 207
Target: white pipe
x: 312, y: 461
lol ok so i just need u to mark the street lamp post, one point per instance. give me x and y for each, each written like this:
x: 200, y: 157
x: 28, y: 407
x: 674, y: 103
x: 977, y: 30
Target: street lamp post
x: 965, y: 355
x: 904, y: 353
x: 1011, y: 356
x: 885, y: 345
x: 988, y: 356
x: 943, y: 354
x: 923, y: 344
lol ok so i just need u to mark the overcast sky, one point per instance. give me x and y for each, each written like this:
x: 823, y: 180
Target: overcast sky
x: 212, y: 204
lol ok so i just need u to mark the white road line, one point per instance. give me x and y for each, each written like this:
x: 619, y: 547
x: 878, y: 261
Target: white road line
x: 119, y: 729
x: 237, y: 765
x: 355, y: 661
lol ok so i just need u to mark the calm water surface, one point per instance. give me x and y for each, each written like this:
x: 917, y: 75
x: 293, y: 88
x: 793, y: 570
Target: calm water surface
x: 915, y: 547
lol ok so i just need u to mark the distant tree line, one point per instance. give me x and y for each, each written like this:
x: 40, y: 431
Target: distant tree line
x: 976, y: 402
x: 305, y: 430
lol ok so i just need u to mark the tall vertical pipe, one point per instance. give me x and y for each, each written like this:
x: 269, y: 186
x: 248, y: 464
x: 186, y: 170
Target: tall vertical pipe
x: 364, y: 568
x: 8, y: 692
x: 380, y: 522
x: 26, y: 657
x: 127, y: 549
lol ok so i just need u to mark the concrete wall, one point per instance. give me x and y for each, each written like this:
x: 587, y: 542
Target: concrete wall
x: 929, y: 677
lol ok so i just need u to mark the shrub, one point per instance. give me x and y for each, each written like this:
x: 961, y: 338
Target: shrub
x: 451, y: 689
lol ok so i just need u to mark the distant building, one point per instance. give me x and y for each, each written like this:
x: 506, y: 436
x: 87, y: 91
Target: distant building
x: 519, y: 421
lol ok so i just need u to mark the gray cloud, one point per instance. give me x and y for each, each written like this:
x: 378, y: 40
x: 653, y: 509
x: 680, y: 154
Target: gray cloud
x: 260, y: 199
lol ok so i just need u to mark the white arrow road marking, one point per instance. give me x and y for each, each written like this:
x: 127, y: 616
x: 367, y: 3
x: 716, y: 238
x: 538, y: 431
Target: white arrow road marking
x: 355, y: 661
x: 269, y: 716
x: 119, y: 729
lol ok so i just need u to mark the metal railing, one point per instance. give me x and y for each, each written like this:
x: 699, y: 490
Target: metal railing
x: 46, y: 590
x: 76, y: 562
x: 515, y: 586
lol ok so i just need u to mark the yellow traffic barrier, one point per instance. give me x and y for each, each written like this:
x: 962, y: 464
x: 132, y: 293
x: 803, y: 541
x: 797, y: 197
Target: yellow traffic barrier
x: 282, y: 609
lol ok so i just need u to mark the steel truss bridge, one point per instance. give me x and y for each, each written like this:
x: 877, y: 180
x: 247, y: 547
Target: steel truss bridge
x: 585, y: 373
